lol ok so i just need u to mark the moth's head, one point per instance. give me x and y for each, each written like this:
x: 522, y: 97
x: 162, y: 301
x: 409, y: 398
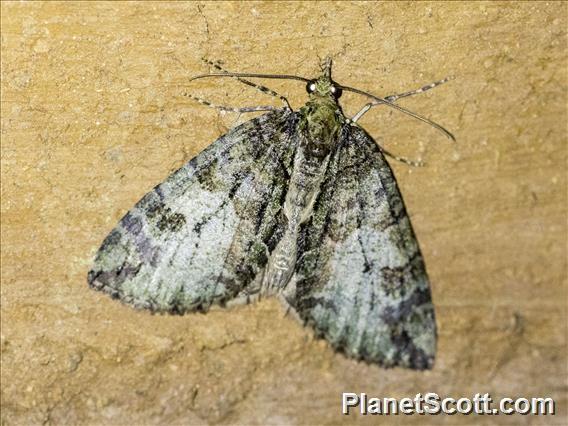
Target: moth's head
x: 324, y: 86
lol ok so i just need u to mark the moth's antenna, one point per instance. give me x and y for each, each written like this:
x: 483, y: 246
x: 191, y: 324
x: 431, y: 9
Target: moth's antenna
x: 401, y: 109
x: 238, y: 74
x: 326, y: 67
x: 327, y: 72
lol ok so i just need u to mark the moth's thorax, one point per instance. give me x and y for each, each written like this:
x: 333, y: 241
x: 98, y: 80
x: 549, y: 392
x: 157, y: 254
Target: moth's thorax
x: 320, y: 122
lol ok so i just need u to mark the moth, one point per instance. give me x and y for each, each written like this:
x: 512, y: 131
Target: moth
x: 301, y: 205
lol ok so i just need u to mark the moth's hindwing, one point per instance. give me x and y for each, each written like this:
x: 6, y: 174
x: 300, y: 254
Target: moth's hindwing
x: 361, y: 280
x: 201, y: 236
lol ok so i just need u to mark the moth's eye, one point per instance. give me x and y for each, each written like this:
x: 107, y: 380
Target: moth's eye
x: 336, y: 92
x: 311, y: 87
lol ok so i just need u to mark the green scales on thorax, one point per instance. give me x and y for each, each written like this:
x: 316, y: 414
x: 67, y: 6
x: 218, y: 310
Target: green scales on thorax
x: 321, y: 118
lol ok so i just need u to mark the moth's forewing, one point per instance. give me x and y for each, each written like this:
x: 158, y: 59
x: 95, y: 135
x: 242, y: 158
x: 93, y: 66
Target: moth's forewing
x: 201, y: 236
x: 361, y: 281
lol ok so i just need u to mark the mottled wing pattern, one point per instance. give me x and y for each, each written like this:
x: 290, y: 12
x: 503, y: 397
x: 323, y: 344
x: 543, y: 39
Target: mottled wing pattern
x: 201, y: 236
x: 361, y: 282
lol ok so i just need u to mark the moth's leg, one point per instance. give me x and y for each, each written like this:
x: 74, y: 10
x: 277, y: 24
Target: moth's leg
x: 395, y: 97
x: 401, y: 159
x: 384, y: 151
x: 245, y: 299
x: 360, y: 114
x: 229, y: 108
x: 288, y: 307
x: 259, y: 87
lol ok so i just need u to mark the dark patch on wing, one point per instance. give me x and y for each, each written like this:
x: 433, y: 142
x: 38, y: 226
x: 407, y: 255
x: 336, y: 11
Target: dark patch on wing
x: 171, y: 222
x: 111, y: 239
x: 132, y: 224
x: 100, y: 279
x: 416, y: 358
x: 393, y: 315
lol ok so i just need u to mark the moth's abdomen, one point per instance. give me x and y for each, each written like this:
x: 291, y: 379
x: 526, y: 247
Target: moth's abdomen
x: 281, y: 264
x: 304, y: 187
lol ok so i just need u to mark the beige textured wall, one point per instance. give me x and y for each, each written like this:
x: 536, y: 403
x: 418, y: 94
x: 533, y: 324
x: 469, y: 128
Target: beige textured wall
x: 93, y: 117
